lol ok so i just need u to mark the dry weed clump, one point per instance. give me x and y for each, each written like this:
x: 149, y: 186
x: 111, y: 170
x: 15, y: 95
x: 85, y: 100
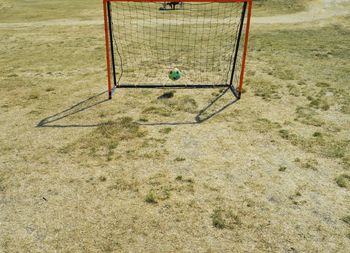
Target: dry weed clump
x: 122, y: 129
x: 323, y: 144
x: 225, y: 219
x: 104, y: 140
x: 343, y: 181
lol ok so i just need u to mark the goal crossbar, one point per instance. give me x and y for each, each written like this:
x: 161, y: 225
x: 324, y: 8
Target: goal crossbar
x: 242, y: 36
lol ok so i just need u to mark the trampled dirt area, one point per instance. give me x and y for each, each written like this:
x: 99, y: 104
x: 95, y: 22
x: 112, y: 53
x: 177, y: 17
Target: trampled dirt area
x: 198, y: 172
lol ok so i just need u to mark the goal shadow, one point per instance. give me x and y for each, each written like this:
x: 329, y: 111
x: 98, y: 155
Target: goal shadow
x: 79, y: 107
x: 213, y: 108
x: 208, y: 112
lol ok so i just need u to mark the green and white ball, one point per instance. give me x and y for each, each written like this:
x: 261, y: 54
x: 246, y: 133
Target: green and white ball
x: 175, y: 74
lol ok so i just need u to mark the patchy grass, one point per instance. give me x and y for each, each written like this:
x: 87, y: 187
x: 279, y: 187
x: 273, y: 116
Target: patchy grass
x: 183, y: 103
x: 321, y: 144
x: 151, y: 198
x: 346, y: 219
x: 165, y: 130
x: 282, y: 168
x: 225, y: 219
x: 158, y: 111
x: 100, y: 167
x: 264, y: 125
x: 121, y: 129
x: 33, y: 96
x: 266, y: 90
x: 2, y: 187
x: 308, y: 164
x: 343, y: 181
x: 179, y: 178
x: 124, y: 183
x: 308, y: 116
x: 217, y: 219
x: 277, y: 7
x: 19, y: 11
x: 346, y: 162
x: 107, y: 137
x: 179, y: 159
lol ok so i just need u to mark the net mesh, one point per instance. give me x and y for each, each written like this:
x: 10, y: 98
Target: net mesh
x: 150, y: 39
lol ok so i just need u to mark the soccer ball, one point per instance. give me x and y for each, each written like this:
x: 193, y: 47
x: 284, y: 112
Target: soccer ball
x: 175, y: 74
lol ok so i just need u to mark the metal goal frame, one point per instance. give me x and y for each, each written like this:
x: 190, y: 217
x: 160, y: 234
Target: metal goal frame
x: 111, y: 63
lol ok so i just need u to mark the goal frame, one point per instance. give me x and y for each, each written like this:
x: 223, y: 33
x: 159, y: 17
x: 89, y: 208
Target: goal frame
x: 110, y: 61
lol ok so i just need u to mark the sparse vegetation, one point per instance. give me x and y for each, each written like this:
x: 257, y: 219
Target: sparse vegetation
x: 2, y: 187
x: 179, y: 178
x: 158, y: 111
x: 33, y: 96
x: 151, y: 198
x: 346, y: 219
x: 50, y: 89
x: 264, y: 125
x: 282, y: 168
x: 122, y: 129
x: 165, y: 130
x: 143, y: 120
x: 308, y: 164
x: 146, y: 174
x: 317, y: 134
x: 179, y: 159
x: 343, y: 181
x: 102, y: 178
x: 217, y: 218
x: 274, y: 7
x: 225, y: 219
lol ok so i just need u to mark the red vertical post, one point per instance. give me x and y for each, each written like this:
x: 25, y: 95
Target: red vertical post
x: 107, y: 50
x: 250, y: 4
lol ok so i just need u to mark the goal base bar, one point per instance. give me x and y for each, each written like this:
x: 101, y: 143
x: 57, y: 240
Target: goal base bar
x: 179, y: 86
x: 235, y: 92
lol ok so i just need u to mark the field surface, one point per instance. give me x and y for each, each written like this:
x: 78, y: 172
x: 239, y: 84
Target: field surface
x: 197, y: 172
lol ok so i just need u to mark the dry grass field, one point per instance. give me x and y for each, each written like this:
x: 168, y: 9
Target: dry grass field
x: 197, y: 172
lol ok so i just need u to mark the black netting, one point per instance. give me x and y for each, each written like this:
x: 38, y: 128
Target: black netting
x: 150, y: 39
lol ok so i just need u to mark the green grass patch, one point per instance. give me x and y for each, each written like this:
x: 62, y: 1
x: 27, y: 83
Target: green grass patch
x: 151, y: 198
x: 183, y: 103
x: 346, y: 219
x: 264, y: 125
x: 179, y: 159
x: 165, y: 130
x: 325, y: 145
x: 38, y: 10
x: 308, y: 116
x: 225, y: 219
x: 279, y: 7
x: 104, y: 140
x: 2, y: 186
x: 157, y: 111
x: 123, y: 129
x: 343, y: 181
x: 282, y: 168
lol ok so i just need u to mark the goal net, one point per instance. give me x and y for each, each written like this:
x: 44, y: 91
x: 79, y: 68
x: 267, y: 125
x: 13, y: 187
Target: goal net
x: 205, y: 41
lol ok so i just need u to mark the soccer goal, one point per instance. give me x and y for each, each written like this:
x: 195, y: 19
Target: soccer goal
x: 204, y: 41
